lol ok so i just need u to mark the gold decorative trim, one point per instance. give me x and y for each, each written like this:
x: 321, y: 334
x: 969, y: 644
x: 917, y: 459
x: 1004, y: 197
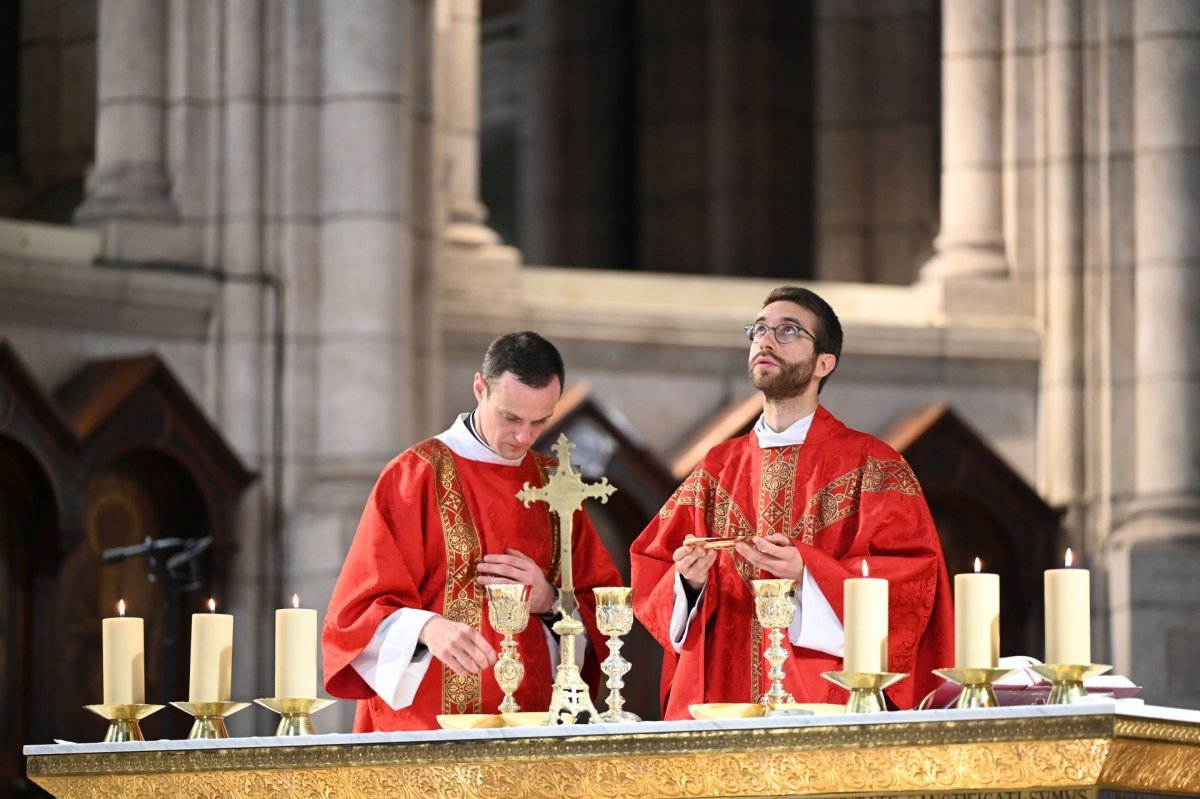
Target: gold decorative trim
x: 1174, y: 732
x: 1007, y: 766
x: 840, y: 498
x: 1157, y: 766
x: 463, y: 600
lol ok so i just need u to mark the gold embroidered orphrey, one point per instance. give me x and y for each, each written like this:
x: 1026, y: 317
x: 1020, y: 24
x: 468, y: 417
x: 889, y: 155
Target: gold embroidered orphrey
x: 463, y: 599
x: 1017, y: 758
x: 838, y: 499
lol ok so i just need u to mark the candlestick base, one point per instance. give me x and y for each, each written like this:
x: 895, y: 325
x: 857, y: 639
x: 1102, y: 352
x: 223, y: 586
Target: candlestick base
x: 210, y: 717
x: 123, y: 720
x: 976, y: 685
x: 295, y: 714
x: 866, y: 688
x: 1067, y: 680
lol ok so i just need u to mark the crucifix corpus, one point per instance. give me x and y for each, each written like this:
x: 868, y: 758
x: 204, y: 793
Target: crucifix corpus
x: 564, y: 492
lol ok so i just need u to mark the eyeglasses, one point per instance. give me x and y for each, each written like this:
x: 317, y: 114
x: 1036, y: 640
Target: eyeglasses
x: 785, y: 333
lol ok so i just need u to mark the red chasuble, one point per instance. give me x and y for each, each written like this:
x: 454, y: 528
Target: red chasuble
x: 430, y: 519
x: 842, y: 496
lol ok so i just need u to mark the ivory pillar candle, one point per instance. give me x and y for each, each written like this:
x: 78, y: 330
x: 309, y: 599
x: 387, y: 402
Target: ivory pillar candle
x: 296, y: 652
x: 1068, y: 595
x: 124, y: 658
x: 212, y: 656
x: 976, y: 620
x: 866, y: 610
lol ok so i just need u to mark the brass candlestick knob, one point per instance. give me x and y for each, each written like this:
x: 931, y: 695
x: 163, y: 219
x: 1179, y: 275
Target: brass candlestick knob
x: 295, y: 714
x: 614, y: 618
x: 775, y: 606
x: 210, y: 717
x: 976, y: 685
x: 1067, y: 680
x: 508, y: 611
x: 866, y: 688
x: 123, y: 720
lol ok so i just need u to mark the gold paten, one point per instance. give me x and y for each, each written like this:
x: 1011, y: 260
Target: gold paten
x: 1024, y: 758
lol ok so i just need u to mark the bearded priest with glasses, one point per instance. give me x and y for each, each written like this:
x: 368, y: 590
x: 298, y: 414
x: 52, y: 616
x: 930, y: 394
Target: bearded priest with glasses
x: 806, y: 498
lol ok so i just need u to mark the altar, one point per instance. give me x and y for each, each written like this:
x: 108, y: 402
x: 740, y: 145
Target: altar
x: 1099, y: 749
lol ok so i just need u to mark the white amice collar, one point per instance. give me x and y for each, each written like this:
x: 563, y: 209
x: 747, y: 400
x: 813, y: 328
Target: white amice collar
x: 795, y: 434
x: 463, y: 443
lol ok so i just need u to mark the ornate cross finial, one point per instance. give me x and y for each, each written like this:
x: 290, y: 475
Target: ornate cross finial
x: 565, y: 491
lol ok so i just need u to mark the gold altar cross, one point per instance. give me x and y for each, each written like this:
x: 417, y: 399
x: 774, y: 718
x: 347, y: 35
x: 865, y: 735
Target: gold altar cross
x: 564, y: 492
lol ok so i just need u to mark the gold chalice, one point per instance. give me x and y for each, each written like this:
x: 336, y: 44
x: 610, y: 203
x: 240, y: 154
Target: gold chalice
x: 775, y: 606
x: 508, y: 611
x: 614, y: 618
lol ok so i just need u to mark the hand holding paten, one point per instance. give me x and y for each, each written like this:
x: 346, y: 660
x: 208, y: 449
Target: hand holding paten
x: 775, y: 554
x: 515, y: 566
x: 457, y: 645
x: 693, y: 563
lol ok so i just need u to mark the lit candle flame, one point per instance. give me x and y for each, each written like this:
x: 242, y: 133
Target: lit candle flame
x: 1068, y: 559
x: 212, y: 605
x: 295, y: 600
x: 120, y: 607
x: 864, y: 568
x: 977, y: 565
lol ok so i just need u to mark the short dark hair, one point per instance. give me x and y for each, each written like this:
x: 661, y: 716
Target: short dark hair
x: 828, y: 334
x: 532, y: 360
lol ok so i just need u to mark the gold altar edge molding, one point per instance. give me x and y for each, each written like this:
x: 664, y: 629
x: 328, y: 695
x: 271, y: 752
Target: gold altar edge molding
x: 979, y: 756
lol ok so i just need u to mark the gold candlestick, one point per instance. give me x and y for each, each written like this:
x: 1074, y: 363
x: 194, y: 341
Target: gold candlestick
x: 295, y: 714
x: 508, y: 611
x: 123, y: 720
x: 210, y: 717
x: 976, y: 685
x: 1067, y: 680
x: 775, y: 606
x: 614, y: 618
x: 565, y: 492
x: 866, y: 688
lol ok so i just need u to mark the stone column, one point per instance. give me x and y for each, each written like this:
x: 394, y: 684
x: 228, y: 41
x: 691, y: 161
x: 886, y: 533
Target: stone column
x: 841, y: 141
x: 1063, y: 437
x: 458, y: 68
x: 128, y: 179
x: 971, y: 240
x: 1157, y: 551
x: 366, y: 386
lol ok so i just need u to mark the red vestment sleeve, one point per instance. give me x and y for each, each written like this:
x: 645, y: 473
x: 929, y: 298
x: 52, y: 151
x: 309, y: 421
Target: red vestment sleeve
x: 381, y: 574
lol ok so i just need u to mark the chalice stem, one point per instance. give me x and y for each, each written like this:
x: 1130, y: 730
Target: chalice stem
x: 615, y: 667
x: 776, y: 655
x: 509, y: 673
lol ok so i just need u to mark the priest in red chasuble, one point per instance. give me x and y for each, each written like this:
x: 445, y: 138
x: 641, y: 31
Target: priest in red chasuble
x: 811, y: 500
x: 405, y: 632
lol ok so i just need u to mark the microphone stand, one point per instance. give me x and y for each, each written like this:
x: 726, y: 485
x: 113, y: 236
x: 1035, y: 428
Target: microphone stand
x: 182, y: 576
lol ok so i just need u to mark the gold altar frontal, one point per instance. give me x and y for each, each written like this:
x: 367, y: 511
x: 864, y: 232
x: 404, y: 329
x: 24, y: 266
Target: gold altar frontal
x: 997, y: 753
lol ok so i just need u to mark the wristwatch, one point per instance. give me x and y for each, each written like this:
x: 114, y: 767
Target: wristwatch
x: 552, y: 612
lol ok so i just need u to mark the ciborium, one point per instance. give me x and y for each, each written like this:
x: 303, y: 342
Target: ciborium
x: 614, y: 618
x: 508, y: 611
x: 775, y: 606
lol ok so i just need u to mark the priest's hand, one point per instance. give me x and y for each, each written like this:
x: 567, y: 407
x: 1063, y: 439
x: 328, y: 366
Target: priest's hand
x: 457, y: 645
x: 517, y: 567
x: 693, y: 564
x: 775, y: 554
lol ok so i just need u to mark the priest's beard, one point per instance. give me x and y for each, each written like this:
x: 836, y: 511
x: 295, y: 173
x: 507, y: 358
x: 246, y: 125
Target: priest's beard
x: 789, y: 382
